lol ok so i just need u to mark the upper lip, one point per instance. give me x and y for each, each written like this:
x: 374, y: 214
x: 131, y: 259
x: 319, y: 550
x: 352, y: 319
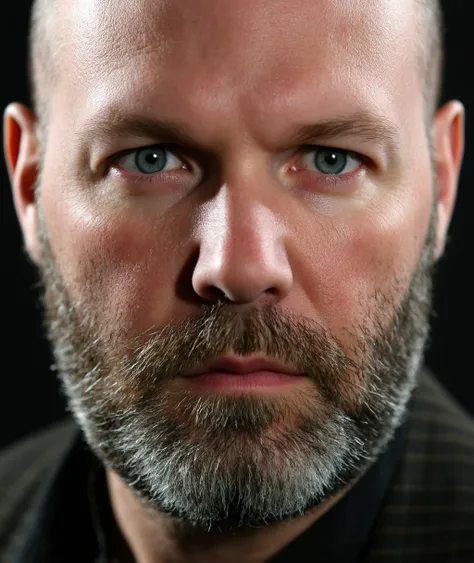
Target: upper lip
x: 241, y: 366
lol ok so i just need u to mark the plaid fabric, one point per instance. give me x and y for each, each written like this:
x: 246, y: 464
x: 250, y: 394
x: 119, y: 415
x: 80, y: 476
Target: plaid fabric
x: 427, y: 516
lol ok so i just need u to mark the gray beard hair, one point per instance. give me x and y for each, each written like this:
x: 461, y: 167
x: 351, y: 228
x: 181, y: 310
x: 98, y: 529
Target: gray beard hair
x: 238, y: 461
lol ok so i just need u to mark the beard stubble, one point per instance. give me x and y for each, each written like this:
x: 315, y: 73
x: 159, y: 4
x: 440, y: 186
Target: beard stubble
x: 217, y: 461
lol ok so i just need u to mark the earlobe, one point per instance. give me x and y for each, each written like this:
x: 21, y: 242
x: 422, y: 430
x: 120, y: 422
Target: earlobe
x: 448, y: 137
x: 22, y: 157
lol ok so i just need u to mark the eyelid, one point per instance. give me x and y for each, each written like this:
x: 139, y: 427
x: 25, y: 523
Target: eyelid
x: 358, y: 156
x: 166, y: 147
x: 172, y: 159
x: 189, y: 171
x: 190, y: 164
x: 298, y: 166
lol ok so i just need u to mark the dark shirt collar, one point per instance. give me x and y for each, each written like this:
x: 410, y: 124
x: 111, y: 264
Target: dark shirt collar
x: 73, y: 516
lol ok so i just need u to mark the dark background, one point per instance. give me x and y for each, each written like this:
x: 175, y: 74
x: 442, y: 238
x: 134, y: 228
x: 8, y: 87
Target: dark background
x: 29, y: 392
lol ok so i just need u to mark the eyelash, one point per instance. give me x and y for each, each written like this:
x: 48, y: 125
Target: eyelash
x: 303, y: 151
x: 150, y: 178
x: 363, y: 160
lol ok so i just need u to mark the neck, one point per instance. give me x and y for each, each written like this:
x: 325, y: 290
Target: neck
x: 144, y: 535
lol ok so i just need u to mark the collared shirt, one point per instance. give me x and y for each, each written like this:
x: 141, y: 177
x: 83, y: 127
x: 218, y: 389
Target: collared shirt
x: 73, y: 517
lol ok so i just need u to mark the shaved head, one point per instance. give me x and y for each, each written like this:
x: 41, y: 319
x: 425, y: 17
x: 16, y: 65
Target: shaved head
x: 45, y: 45
x: 42, y: 48
x: 431, y: 51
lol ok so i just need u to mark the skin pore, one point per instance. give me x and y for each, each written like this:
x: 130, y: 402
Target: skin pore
x: 242, y: 245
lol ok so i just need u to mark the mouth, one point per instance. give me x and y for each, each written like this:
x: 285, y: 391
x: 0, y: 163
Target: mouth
x: 233, y: 374
x: 253, y: 381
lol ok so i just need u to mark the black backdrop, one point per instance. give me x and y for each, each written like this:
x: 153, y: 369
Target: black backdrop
x: 29, y: 392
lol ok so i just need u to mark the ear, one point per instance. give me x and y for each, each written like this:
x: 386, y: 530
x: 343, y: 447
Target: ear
x: 22, y: 156
x: 448, y: 137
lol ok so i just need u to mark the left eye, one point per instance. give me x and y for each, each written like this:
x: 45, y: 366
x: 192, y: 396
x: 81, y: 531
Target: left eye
x: 150, y: 160
x: 331, y: 161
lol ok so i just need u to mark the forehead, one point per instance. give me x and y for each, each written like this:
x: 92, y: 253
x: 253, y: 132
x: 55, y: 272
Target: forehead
x: 211, y: 53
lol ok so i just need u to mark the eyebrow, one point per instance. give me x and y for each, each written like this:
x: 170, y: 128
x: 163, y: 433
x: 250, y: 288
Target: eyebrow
x: 113, y: 123
x: 361, y: 125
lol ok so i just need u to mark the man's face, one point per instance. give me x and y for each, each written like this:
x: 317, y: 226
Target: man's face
x: 255, y: 224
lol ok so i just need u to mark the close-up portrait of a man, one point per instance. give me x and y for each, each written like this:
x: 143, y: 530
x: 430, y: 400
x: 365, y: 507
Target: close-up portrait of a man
x: 235, y: 209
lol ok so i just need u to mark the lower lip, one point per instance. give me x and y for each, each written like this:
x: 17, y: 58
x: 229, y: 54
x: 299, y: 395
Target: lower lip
x: 257, y: 380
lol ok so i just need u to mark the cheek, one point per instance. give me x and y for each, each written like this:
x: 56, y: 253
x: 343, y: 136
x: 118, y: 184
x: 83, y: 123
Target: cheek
x: 374, y: 251
x: 123, y: 267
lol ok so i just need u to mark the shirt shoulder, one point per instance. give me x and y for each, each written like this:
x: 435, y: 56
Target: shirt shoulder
x: 428, y: 514
x: 23, y: 468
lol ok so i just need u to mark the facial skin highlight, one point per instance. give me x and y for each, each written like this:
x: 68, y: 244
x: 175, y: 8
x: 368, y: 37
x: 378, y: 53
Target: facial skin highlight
x: 251, y: 240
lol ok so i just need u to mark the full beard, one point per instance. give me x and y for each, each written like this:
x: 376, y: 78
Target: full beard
x: 217, y: 461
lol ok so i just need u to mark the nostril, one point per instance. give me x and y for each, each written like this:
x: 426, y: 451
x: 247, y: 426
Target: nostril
x: 213, y: 292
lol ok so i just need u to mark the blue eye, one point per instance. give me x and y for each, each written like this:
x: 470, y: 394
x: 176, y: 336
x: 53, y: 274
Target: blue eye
x: 331, y: 161
x: 150, y: 160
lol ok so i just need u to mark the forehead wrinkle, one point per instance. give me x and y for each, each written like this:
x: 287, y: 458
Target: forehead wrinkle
x: 104, y: 37
x: 149, y: 60
x: 207, y: 117
x: 206, y: 36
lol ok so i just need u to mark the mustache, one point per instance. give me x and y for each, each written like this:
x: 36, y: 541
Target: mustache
x: 164, y: 353
x: 213, y: 331
x: 218, y: 329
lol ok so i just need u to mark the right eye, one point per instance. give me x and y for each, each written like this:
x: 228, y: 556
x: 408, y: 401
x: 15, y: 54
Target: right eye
x: 150, y: 160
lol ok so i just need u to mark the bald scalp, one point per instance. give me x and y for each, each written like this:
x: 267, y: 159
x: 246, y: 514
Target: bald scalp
x: 42, y: 63
x: 431, y: 52
x: 44, y: 49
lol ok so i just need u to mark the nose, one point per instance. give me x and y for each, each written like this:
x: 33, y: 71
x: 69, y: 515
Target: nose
x: 242, y: 251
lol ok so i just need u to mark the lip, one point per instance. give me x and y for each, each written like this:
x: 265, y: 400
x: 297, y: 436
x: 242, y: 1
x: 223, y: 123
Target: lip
x: 236, y: 366
x: 254, y: 382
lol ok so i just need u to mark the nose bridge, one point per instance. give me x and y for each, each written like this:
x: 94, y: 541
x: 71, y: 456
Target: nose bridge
x: 242, y: 242
x: 251, y: 230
